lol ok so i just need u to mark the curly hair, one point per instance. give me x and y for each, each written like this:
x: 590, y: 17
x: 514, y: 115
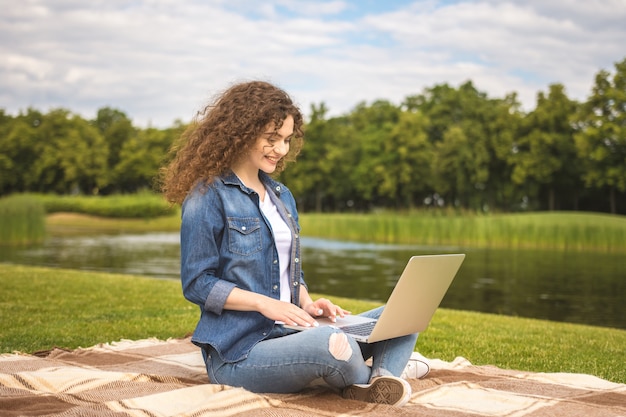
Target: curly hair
x: 224, y: 131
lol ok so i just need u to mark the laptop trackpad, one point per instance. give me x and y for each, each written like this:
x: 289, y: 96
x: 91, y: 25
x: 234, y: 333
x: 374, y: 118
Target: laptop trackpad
x: 348, y: 320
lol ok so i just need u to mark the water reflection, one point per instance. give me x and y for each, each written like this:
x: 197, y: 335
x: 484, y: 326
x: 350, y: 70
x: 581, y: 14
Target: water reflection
x: 573, y: 287
x: 154, y: 254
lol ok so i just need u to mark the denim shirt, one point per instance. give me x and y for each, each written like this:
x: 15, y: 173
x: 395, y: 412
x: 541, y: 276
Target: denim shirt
x: 227, y: 242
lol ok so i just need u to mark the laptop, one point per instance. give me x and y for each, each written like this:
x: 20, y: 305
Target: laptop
x: 411, y: 305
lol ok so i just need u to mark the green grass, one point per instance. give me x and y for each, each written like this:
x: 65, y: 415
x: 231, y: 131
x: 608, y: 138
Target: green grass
x: 41, y: 308
x: 539, y: 230
x: 22, y: 220
x: 141, y: 205
x: 81, y: 224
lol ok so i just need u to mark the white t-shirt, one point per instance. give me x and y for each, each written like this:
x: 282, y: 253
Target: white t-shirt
x: 282, y: 238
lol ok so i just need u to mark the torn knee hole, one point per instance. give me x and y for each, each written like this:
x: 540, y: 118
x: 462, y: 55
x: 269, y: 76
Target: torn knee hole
x: 339, y: 347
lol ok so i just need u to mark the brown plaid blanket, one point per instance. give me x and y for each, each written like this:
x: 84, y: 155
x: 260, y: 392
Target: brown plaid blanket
x: 150, y: 377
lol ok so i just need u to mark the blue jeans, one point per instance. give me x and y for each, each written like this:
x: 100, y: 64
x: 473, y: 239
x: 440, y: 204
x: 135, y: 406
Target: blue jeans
x: 289, y: 361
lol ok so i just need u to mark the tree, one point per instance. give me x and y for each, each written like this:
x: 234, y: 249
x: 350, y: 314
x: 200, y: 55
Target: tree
x: 441, y: 105
x: 117, y: 129
x: 458, y: 167
x: 17, y: 151
x: 502, y: 129
x: 546, y: 152
x: 407, y: 156
x: 309, y: 177
x: 601, y: 141
x: 373, y: 177
x: 140, y: 159
x: 70, y: 155
x: 470, y: 134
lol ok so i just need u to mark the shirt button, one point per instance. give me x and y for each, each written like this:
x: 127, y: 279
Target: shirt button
x: 295, y: 283
x: 278, y: 188
x: 275, y: 262
x: 243, y: 228
x: 296, y: 260
x: 275, y: 287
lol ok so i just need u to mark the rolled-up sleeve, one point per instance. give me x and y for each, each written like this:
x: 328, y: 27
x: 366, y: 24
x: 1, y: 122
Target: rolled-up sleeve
x: 217, y: 297
x: 200, y: 232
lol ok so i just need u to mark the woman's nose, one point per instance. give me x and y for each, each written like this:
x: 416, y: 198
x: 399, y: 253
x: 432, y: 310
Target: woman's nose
x: 281, y: 148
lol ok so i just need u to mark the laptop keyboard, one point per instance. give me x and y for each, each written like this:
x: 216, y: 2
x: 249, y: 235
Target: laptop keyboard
x: 361, y: 329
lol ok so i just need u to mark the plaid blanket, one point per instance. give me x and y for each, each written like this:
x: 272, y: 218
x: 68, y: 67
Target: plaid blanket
x: 167, y: 378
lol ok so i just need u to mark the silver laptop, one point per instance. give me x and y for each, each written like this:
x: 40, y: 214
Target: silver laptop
x: 412, y: 303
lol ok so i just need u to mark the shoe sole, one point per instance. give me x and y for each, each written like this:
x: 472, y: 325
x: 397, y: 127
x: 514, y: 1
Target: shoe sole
x: 381, y: 391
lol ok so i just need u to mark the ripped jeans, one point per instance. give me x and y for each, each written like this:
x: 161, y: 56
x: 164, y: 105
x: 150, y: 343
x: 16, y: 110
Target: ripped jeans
x: 289, y: 361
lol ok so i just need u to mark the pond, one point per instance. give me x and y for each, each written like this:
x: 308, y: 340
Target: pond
x: 572, y: 287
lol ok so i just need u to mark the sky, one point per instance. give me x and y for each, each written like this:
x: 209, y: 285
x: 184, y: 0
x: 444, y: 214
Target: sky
x: 160, y: 61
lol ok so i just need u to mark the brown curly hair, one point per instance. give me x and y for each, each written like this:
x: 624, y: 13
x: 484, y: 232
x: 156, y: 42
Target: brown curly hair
x: 224, y: 131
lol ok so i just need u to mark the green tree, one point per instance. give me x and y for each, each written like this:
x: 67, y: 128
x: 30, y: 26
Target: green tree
x: 140, y: 159
x: 343, y: 153
x: 502, y: 129
x: 601, y: 141
x: 117, y: 129
x: 320, y: 178
x: 545, y: 152
x: 373, y: 176
x: 441, y: 104
x: 71, y: 155
x: 17, y: 151
x: 8, y: 166
x: 407, y: 156
x: 471, y: 136
x: 308, y: 179
x: 459, y: 167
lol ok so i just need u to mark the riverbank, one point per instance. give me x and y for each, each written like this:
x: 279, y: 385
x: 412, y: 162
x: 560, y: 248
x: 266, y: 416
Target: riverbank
x: 41, y: 308
x: 572, y: 231
x: 78, y: 223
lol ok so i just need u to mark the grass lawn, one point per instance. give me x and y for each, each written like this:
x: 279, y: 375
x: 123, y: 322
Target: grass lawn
x: 41, y: 308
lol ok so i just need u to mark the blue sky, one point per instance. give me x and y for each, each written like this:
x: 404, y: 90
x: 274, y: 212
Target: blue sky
x: 161, y: 60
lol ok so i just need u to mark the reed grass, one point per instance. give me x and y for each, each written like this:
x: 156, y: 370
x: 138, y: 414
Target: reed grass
x: 568, y: 231
x: 72, y: 224
x: 541, y: 230
x: 22, y: 220
x: 140, y: 205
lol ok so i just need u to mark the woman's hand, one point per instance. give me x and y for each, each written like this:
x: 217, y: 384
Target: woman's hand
x: 282, y: 311
x: 324, y: 308
x: 286, y: 312
x: 242, y: 300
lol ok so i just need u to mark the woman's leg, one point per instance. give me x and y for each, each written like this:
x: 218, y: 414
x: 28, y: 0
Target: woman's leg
x: 290, y: 363
x: 389, y: 357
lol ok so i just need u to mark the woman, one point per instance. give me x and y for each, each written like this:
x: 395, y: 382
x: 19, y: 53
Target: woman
x: 240, y: 258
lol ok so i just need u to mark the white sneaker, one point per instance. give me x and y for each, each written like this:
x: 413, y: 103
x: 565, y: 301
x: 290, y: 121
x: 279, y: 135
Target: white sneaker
x: 382, y: 390
x: 417, y: 367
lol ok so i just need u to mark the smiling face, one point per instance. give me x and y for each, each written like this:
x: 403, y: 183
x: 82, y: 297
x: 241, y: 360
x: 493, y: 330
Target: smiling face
x: 269, y: 148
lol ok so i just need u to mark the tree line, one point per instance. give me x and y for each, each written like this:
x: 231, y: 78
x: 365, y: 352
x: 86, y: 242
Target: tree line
x: 445, y: 147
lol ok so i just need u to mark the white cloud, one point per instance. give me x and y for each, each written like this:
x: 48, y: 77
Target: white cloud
x: 159, y: 60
